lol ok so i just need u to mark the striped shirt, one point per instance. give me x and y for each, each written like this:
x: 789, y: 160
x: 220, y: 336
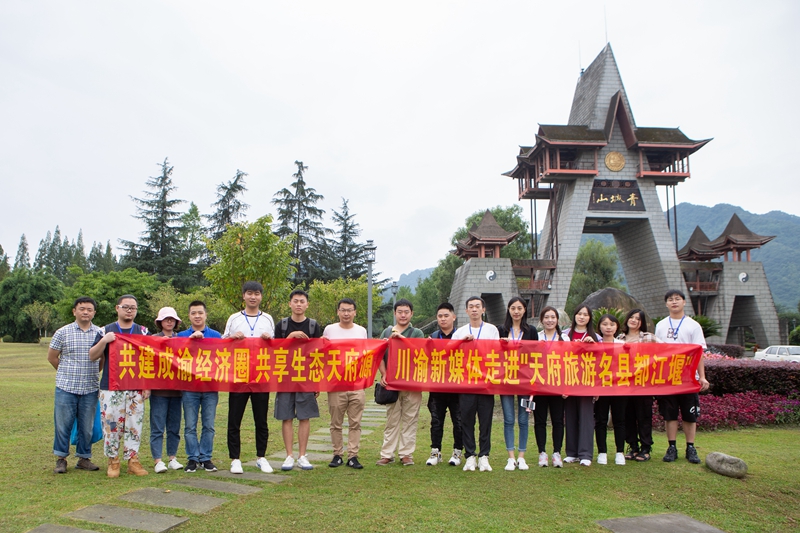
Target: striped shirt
x: 76, y: 374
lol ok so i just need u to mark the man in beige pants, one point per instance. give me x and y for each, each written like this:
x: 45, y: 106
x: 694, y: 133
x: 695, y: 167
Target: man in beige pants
x: 401, y: 416
x: 350, y: 402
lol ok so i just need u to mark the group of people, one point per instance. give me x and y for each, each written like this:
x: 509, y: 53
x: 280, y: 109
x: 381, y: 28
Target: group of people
x: 584, y: 418
x: 79, y: 353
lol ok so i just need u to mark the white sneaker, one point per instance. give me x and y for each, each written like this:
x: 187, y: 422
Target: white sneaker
x: 543, y: 459
x: 619, y: 458
x: 557, y: 460
x: 174, y: 465
x: 469, y: 466
x: 483, y: 464
x: 160, y: 467
x: 455, y: 459
x: 602, y: 458
x: 435, y: 457
x: 264, y: 465
x: 288, y: 464
x: 511, y: 465
x: 521, y: 464
x: 586, y: 462
x: 304, y: 463
x: 236, y: 467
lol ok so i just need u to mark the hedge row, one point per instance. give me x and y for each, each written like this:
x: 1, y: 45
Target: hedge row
x: 731, y: 350
x: 743, y: 375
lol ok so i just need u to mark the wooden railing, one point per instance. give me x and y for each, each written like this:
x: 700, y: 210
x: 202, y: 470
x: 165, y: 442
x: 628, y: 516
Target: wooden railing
x: 703, y: 286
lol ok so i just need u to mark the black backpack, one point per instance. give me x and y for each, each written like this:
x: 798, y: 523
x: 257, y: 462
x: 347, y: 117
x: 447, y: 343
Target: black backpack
x: 312, y: 327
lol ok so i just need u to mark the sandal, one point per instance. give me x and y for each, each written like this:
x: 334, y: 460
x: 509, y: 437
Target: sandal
x: 642, y: 457
x: 631, y: 454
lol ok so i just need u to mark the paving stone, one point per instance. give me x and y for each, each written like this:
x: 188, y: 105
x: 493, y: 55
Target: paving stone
x: 328, y: 432
x: 218, y: 486
x: 276, y: 465
x: 373, y: 410
x: 113, y: 515
x: 366, y: 425
x: 53, y: 528
x: 659, y: 523
x: 251, y: 476
x: 176, y: 499
x: 325, y: 438
x: 376, y: 420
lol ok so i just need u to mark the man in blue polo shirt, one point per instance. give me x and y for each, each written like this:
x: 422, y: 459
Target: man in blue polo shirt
x: 199, y: 453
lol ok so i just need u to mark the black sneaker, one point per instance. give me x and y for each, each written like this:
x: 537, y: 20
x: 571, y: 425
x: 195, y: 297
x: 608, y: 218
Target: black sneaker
x: 191, y: 466
x: 337, y: 461
x: 691, y: 455
x: 353, y: 463
x: 671, y: 455
x: 209, y: 466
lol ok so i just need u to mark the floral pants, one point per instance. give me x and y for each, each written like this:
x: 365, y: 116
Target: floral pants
x: 122, y: 412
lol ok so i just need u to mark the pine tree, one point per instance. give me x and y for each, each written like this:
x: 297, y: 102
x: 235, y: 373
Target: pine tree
x: 79, y: 253
x: 23, y: 259
x: 349, y: 252
x: 42, y: 254
x: 192, y: 234
x: 159, y: 251
x: 5, y: 267
x: 228, y: 209
x: 299, y: 217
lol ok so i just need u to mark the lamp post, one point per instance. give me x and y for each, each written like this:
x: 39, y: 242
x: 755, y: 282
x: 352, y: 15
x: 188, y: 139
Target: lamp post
x: 369, y: 248
x: 394, y: 298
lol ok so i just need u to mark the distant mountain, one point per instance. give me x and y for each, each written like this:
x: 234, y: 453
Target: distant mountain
x: 781, y: 256
x: 410, y: 280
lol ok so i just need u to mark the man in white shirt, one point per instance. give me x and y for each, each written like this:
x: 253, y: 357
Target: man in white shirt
x: 350, y: 402
x: 254, y: 323
x: 481, y: 405
x: 678, y: 328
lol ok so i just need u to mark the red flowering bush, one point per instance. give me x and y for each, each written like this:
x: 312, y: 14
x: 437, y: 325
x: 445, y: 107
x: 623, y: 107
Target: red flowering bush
x: 733, y: 411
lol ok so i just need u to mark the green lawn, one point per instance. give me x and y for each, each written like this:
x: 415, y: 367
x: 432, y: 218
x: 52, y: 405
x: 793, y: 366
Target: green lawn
x: 395, y: 498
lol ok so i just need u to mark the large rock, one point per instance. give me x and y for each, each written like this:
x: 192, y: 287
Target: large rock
x: 617, y: 299
x: 727, y: 465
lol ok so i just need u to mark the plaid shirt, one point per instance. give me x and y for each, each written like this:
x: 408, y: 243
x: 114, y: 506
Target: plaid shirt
x: 76, y: 374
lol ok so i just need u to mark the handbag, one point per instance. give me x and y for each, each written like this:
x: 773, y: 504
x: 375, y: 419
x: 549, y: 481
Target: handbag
x: 384, y: 396
x: 97, y: 429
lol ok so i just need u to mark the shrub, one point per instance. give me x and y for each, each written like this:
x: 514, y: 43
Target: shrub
x: 711, y: 328
x: 8, y: 338
x: 742, y: 375
x: 733, y: 411
x: 597, y: 313
x: 731, y: 350
x: 794, y: 336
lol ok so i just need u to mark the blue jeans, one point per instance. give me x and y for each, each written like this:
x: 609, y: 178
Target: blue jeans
x: 508, y: 403
x: 193, y: 403
x: 165, y: 414
x: 67, y: 408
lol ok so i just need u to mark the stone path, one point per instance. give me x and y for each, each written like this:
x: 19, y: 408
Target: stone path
x: 658, y: 523
x: 156, y: 522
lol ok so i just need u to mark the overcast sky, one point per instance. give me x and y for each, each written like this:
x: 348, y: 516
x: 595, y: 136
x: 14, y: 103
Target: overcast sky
x: 411, y: 110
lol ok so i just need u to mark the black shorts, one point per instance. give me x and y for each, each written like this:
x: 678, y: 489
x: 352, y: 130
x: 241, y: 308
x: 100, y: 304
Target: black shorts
x: 688, y: 404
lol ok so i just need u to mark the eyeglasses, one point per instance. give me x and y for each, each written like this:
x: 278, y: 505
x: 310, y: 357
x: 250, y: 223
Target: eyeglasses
x: 347, y: 311
x: 128, y: 307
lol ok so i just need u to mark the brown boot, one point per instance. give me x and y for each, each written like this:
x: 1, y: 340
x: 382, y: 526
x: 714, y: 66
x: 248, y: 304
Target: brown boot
x: 113, y: 467
x: 135, y: 467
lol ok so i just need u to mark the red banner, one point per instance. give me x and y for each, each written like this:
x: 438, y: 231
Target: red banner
x: 539, y: 367
x: 138, y: 362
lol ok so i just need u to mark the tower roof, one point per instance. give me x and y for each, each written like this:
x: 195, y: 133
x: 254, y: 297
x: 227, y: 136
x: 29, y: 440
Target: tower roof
x: 486, y: 233
x: 697, y: 248
x: 596, y: 84
x: 737, y: 236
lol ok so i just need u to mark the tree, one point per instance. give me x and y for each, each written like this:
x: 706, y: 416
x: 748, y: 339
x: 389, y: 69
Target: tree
x: 23, y: 259
x: 299, y: 216
x: 167, y: 296
x: 19, y: 289
x: 79, y: 253
x: 5, y: 267
x: 510, y: 219
x: 324, y: 295
x: 105, y: 288
x: 41, y: 262
x: 42, y: 314
x: 250, y: 251
x: 346, y: 248
x: 228, y: 209
x: 192, y: 234
x: 160, y: 249
x: 596, y: 267
x: 100, y: 261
